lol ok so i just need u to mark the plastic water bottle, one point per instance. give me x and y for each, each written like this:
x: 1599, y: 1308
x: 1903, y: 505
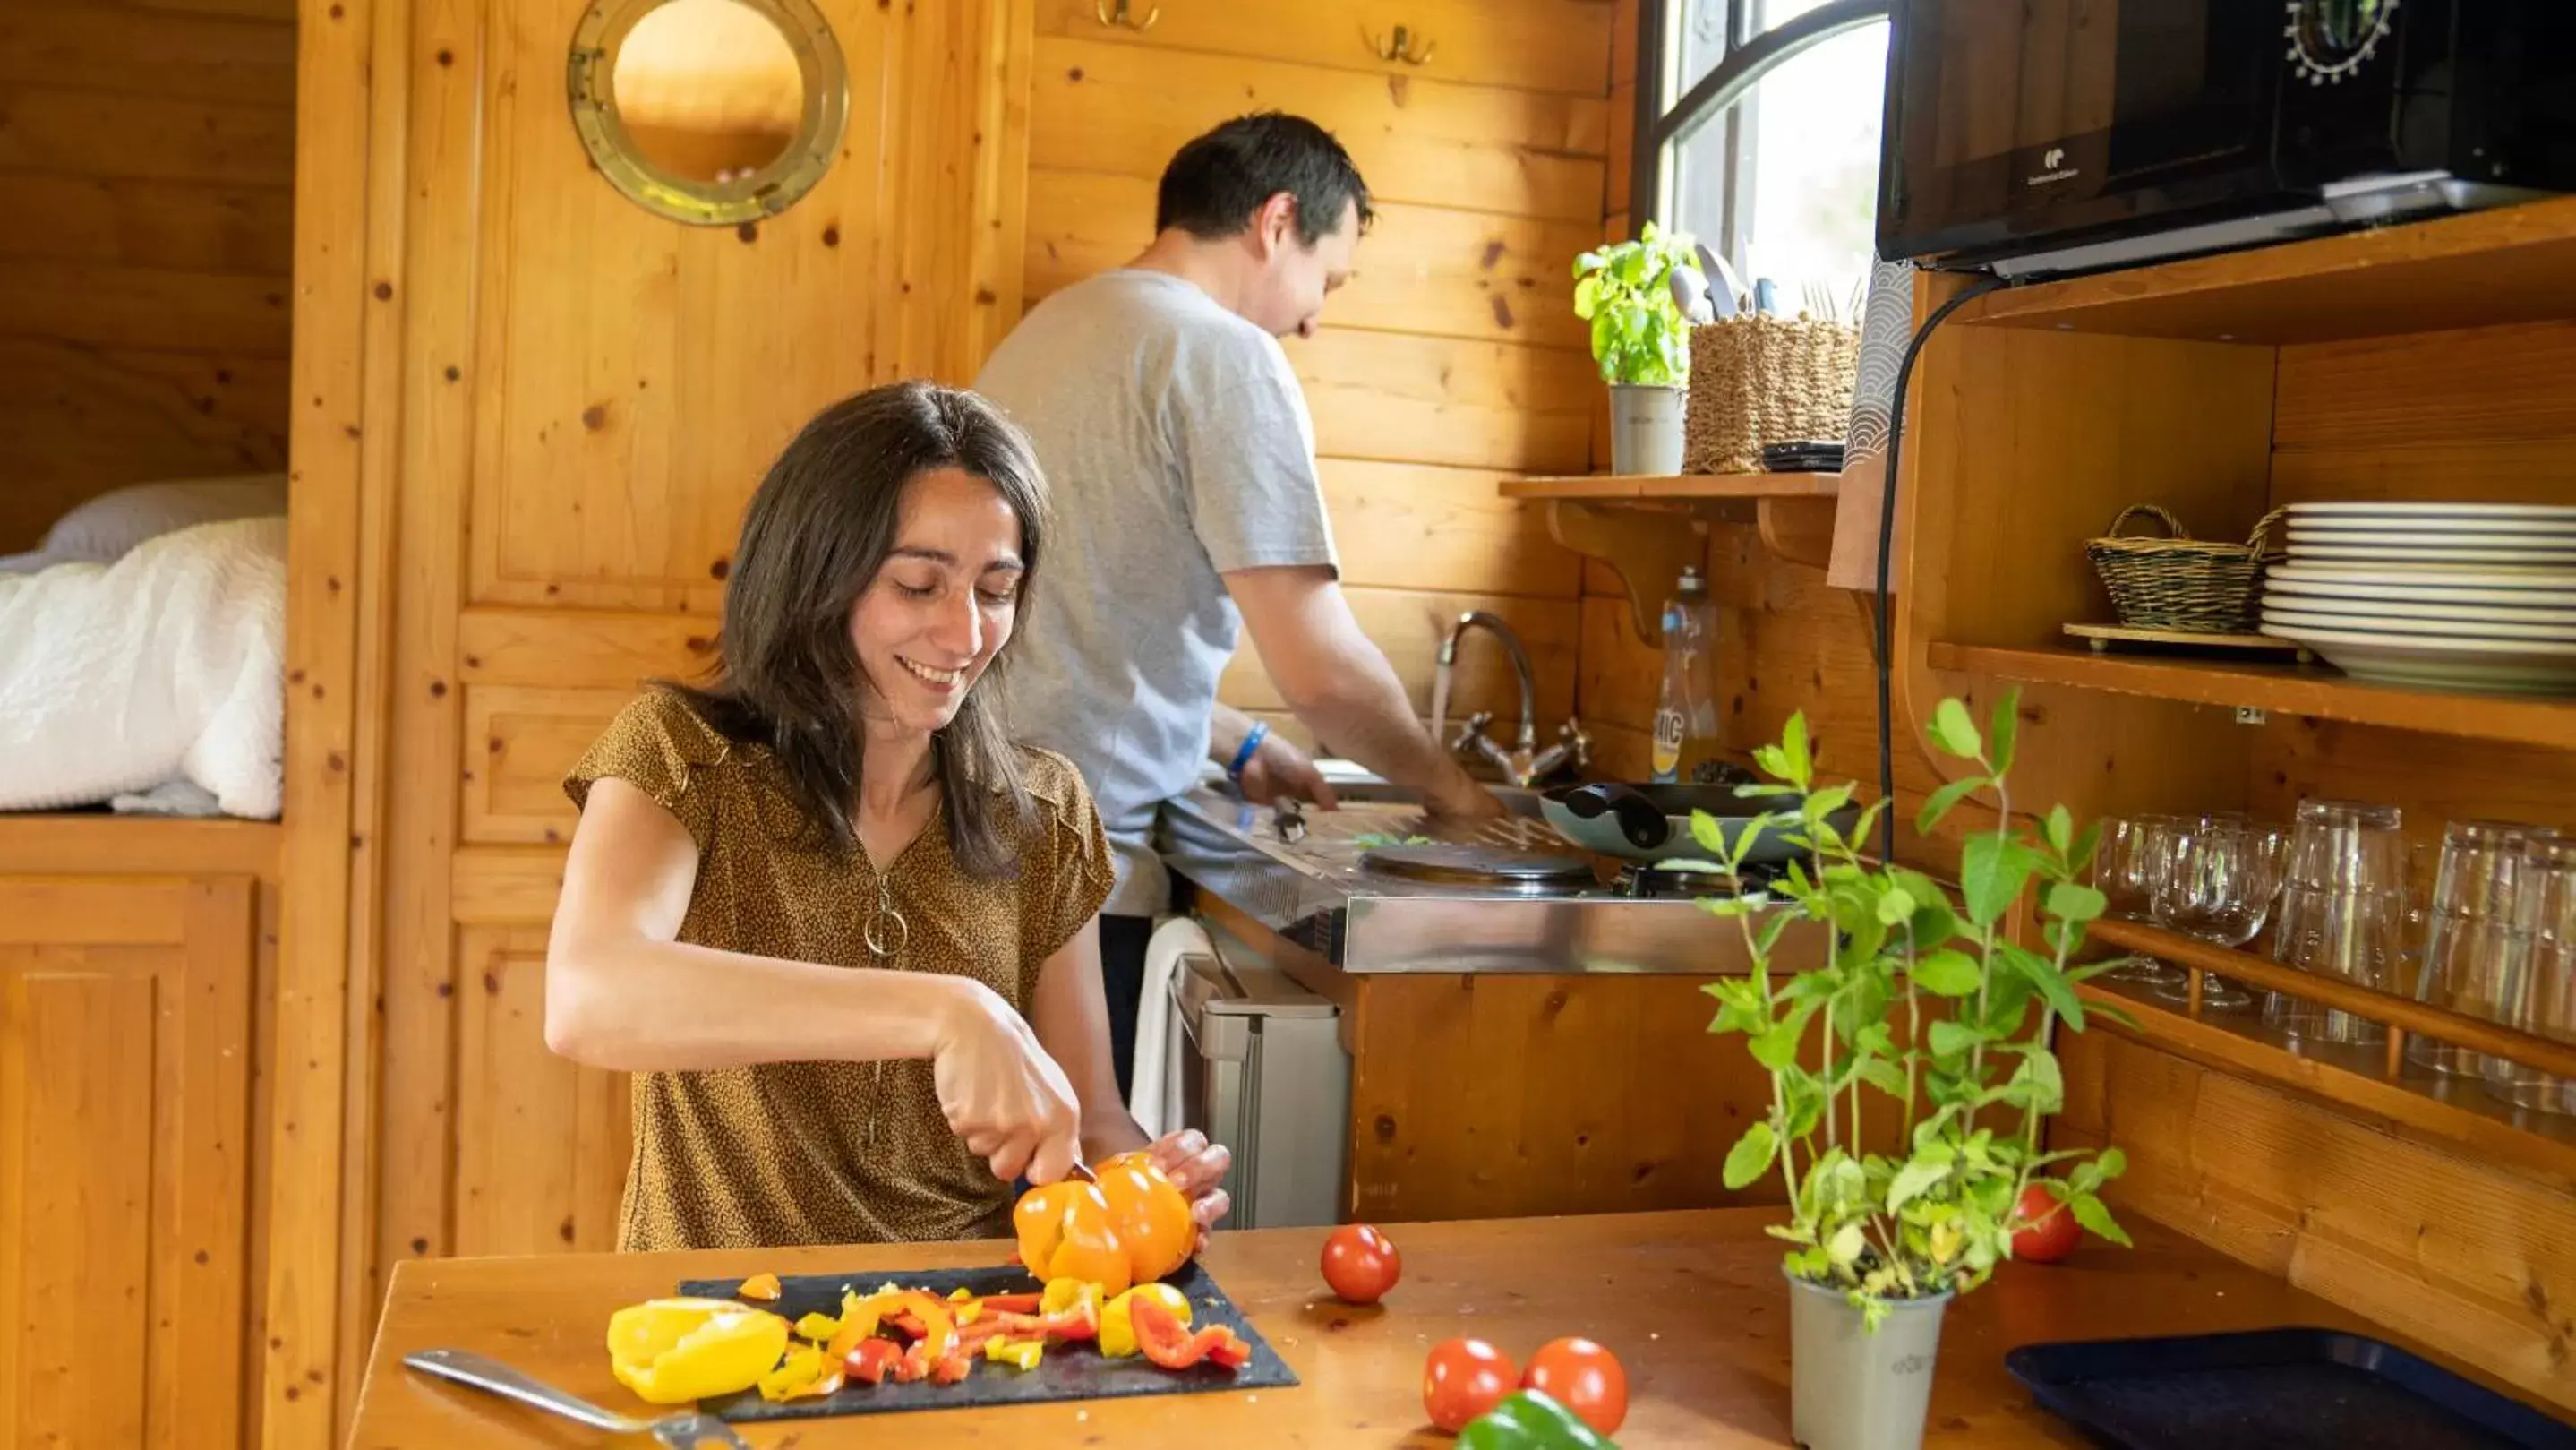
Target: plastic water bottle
x: 1686, y: 716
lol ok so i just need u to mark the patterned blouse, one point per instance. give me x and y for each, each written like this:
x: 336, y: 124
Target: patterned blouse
x: 828, y: 1152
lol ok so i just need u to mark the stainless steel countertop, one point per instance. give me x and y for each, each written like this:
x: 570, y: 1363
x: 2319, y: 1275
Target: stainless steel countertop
x: 1315, y: 892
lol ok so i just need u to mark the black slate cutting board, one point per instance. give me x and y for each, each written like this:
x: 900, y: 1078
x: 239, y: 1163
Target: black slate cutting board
x: 1069, y: 1372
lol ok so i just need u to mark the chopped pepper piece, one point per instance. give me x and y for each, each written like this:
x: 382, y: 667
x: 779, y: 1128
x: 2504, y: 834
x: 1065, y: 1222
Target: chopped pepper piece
x: 950, y: 1370
x: 858, y: 1321
x: 763, y: 1287
x: 805, y: 1372
x: 930, y: 1323
x: 1169, y: 1343
x: 911, y: 1366
x: 1010, y: 1303
x: 868, y: 1361
x: 1118, y: 1330
x: 1024, y: 1353
x: 1531, y: 1420
x: 818, y: 1327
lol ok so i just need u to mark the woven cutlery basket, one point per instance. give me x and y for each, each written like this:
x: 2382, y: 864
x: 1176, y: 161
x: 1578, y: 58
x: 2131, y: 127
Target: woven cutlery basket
x: 1760, y: 379
x: 2181, y: 583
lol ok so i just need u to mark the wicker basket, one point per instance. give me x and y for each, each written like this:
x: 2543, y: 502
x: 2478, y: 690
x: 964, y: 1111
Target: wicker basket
x: 2179, y: 582
x: 1760, y: 379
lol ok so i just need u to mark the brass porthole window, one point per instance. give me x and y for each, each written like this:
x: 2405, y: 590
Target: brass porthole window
x: 712, y: 112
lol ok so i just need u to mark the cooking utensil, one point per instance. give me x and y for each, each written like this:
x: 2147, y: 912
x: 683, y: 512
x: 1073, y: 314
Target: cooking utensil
x: 684, y: 1431
x: 1653, y: 822
x: 1490, y: 867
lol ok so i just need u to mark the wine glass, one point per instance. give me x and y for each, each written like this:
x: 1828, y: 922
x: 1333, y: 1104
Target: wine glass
x: 2125, y: 871
x: 2217, y: 881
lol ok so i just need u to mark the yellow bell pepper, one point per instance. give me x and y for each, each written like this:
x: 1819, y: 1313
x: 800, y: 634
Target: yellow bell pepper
x: 858, y: 1321
x: 805, y: 1372
x: 818, y: 1327
x: 671, y: 1351
x: 1118, y: 1324
x: 1024, y: 1353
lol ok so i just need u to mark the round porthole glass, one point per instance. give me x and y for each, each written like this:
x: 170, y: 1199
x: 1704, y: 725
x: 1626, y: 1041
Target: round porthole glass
x: 713, y: 112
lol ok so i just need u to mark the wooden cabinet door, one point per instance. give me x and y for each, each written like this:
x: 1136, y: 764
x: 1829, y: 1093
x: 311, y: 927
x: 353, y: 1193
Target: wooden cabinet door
x: 124, y: 1075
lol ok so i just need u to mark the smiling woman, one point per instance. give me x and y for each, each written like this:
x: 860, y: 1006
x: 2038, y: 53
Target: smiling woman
x: 839, y: 925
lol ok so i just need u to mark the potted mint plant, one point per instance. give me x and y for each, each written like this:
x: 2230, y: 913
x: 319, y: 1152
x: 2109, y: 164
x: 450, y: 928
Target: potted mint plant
x: 1928, y: 1019
x: 1641, y: 340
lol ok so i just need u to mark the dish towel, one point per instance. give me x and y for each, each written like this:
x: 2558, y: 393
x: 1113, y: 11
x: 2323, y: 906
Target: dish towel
x: 1154, y: 1090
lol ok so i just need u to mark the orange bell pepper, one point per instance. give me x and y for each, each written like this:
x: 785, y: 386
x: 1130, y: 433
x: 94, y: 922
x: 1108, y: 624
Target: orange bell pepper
x: 1130, y: 1227
x: 763, y: 1287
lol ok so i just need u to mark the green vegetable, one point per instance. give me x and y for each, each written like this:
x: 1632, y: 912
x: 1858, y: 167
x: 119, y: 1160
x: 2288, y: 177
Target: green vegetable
x: 1530, y: 1420
x: 1372, y: 840
x: 1624, y: 290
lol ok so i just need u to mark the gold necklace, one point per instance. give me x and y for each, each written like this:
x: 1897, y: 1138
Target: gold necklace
x: 885, y: 936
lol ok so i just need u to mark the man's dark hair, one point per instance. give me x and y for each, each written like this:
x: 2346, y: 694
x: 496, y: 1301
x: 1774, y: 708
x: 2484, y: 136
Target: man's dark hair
x: 1216, y: 182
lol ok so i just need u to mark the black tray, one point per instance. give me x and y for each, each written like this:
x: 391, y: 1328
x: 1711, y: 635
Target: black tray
x: 2277, y: 1389
x: 1067, y: 1372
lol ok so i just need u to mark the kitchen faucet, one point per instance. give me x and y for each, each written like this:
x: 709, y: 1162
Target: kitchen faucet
x: 1524, y: 764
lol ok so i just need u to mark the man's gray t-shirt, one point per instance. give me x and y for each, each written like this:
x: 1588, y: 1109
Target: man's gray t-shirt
x: 1178, y: 449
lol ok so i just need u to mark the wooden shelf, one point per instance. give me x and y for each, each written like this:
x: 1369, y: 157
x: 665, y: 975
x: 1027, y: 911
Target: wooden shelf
x: 2288, y: 689
x: 2373, y: 1079
x: 1646, y: 529
x: 1686, y: 488
x: 2513, y: 264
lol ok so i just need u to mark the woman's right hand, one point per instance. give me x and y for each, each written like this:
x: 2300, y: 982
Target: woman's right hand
x: 1001, y: 1091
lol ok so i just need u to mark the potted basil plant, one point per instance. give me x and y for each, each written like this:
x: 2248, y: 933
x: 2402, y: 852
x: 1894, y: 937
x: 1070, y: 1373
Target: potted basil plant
x: 1634, y: 295
x: 1909, y: 1074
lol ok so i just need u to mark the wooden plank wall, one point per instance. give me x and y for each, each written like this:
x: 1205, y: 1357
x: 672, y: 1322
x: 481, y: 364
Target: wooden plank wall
x: 147, y: 150
x: 1453, y: 359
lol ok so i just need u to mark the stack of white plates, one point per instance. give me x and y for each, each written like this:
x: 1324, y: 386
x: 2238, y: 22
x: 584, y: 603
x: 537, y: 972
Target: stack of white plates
x: 2447, y: 595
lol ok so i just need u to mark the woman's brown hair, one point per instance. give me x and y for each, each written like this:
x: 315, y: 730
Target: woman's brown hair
x: 787, y: 676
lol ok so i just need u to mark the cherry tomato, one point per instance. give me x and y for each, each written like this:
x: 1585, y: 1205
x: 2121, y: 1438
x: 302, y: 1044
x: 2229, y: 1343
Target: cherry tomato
x: 2053, y: 1235
x: 1361, y: 1264
x: 1462, y: 1379
x: 1583, y: 1377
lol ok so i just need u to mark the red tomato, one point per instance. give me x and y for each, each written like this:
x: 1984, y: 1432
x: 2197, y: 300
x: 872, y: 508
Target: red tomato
x: 1462, y: 1379
x: 2053, y: 1234
x: 1583, y: 1377
x: 1361, y: 1264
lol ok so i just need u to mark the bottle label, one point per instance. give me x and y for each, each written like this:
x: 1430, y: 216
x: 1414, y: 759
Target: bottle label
x: 1668, y: 744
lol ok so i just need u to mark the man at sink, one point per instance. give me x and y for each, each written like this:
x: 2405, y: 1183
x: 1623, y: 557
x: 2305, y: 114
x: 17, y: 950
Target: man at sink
x: 1182, y: 457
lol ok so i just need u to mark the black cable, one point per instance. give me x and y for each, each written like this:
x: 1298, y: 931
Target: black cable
x: 1886, y: 544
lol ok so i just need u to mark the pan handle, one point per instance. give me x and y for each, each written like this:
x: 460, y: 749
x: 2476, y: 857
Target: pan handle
x: 1640, y: 822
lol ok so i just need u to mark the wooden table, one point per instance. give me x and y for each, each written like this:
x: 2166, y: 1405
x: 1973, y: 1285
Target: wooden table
x: 1693, y: 1304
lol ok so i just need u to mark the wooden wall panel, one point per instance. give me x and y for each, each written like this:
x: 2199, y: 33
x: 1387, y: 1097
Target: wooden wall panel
x: 143, y: 256
x: 518, y: 742
x: 1543, y: 45
x: 1412, y: 526
x: 1433, y: 270
x: 2463, y: 1255
x: 1102, y: 105
x: 1409, y: 626
x: 541, y: 1143
x: 125, y: 1044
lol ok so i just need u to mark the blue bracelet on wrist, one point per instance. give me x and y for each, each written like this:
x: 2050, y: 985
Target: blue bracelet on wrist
x: 1243, y: 754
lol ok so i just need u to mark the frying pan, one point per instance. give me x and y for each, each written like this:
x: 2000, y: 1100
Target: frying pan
x: 1653, y: 822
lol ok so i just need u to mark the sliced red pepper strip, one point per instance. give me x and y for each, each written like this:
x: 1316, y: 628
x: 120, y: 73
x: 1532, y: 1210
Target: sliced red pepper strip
x: 1010, y: 1303
x: 930, y: 1323
x: 1169, y: 1343
x: 869, y: 1361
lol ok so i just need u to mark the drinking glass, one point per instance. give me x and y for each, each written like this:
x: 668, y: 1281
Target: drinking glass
x: 2125, y: 871
x: 2475, y: 934
x: 2217, y: 881
x: 2343, y: 914
x: 2540, y: 994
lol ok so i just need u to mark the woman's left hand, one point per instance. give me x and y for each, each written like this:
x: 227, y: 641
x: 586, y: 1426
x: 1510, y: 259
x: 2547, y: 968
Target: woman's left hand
x: 1196, y: 1166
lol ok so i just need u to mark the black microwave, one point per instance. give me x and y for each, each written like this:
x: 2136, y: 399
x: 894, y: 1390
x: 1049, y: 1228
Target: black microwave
x: 2041, y: 137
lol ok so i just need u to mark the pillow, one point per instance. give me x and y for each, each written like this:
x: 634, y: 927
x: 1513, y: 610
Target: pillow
x: 106, y: 528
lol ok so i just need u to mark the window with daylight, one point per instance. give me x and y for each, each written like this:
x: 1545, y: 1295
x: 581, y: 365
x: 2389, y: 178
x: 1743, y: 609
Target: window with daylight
x: 1757, y: 132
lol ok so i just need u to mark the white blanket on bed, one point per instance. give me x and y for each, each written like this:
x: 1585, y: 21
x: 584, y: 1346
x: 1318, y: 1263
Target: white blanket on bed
x: 165, y: 665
